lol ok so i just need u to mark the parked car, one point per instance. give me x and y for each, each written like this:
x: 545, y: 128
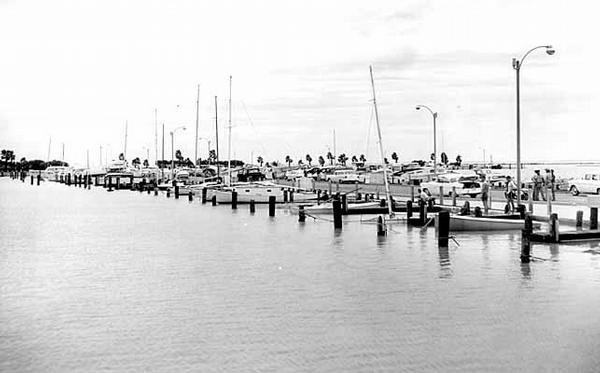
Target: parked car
x: 294, y: 174
x: 462, y: 185
x: 345, y: 176
x: 589, y: 183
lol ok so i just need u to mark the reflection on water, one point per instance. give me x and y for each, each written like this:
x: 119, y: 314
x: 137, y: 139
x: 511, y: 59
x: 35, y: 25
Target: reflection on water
x: 97, y: 281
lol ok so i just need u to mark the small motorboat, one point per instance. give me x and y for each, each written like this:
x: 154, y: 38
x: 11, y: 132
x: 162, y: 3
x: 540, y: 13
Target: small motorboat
x: 472, y: 223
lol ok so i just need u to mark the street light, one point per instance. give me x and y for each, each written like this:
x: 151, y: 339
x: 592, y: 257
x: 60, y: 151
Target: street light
x: 517, y: 66
x: 172, y: 149
x: 434, y: 115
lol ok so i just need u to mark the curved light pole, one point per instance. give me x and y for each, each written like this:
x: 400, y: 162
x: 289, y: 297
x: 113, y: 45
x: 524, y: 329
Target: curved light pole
x: 172, y: 149
x: 517, y: 66
x: 434, y: 115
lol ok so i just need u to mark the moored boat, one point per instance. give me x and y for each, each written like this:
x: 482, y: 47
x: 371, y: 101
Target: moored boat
x: 472, y: 223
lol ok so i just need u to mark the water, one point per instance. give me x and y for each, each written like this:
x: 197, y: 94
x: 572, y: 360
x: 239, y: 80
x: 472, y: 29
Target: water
x: 125, y: 282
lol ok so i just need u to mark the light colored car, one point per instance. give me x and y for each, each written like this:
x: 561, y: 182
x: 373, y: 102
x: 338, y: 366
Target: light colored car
x: 463, y: 186
x: 589, y: 183
x: 345, y: 176
x: 294, y: 174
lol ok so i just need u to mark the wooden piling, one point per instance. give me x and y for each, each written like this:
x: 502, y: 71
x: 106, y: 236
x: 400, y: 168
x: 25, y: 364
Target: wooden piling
x: 579, y: 219
x: 285, y: 196
x: 441, y: 195
x: 214, y: 200
x: 330, y: 188
x: 119, y: 183
x: 521, y: 211
x: 344, y: 199
x: 526, y: 239
x: 422, y: 212
x: 31, y: 179
x: 319, y: 197
x: 203, y: 195
x: 412, y: 192
x: 443, y: 228
x: 337, y: 214
x: 453, y: 196
x: 176, y: 191
x: 39, y: 179
x: 291, y: 195
x: 548, y: 202
x: 530, y: 200
x: 234, y: 201
x: 553, y: 227
x: 381, y: 231
x: 156, y: 191
x: 169, y: 193
x: 593, y: 218
x: 272, y: 201
x: 409, y: 212
x: 190, y: 196
x: 252, y: 206
x: 301, y: 214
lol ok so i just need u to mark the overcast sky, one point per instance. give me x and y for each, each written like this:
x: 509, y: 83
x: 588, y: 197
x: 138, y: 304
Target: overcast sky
x: 76, y: 71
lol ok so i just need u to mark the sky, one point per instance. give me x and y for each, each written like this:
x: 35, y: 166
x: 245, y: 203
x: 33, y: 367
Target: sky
x: 75, y: 72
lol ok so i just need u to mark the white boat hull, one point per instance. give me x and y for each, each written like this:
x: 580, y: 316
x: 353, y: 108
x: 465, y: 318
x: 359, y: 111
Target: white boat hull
x: 471, y: 223
x: 327, y: 208
x: 260, y: 195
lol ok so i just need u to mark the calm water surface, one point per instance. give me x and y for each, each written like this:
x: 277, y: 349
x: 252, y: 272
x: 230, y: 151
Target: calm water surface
x: 94, y: 281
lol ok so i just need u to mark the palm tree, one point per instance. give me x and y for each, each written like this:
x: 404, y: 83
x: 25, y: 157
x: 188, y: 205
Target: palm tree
x: 395, y: 157
x: 342, y: 159
x: 121, y: 157
x: 288, y: 160
x: 362, y: 158
x: 136, y: 162
x: 146, y: 163
x: 300, y: 163
x: 178, y: 155
x: 212, y: 156
x: 354, y: 159
x: 260, y: 160
x: 321, y: 161
x: 385, y: 160
x: 458, y: 160
x: 309, y: 159
x: 330, y: 157
x: 444, y: 158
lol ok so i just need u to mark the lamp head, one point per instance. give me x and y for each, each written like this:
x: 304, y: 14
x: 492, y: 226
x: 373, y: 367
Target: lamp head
x: 550, y: 50
x: 418, y: 108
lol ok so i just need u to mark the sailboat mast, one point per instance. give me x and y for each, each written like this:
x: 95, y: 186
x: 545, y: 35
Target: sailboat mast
x: 155, y: 136
x: 125, y: 147
x: 229, y: 145
x: 162, y: 172
x: 88, y: 159
x: 385, y: 179
x: 49, y: 145
x: 197, y: 113
x: 217, y: 139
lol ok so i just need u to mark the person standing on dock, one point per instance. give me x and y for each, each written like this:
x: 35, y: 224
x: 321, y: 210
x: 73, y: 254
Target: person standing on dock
x: 538, y: 182
x: 485, y: 191
x: 550, y: 182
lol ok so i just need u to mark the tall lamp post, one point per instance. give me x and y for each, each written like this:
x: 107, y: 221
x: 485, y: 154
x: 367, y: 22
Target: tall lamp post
x: 173, y: 147
x: 517, y: 64
x: 434, y: 115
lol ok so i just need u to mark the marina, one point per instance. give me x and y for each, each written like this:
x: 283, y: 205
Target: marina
x: 391, y: 187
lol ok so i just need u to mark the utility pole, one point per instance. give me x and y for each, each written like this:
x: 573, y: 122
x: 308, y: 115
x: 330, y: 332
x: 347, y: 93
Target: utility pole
x: 155, y: 136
